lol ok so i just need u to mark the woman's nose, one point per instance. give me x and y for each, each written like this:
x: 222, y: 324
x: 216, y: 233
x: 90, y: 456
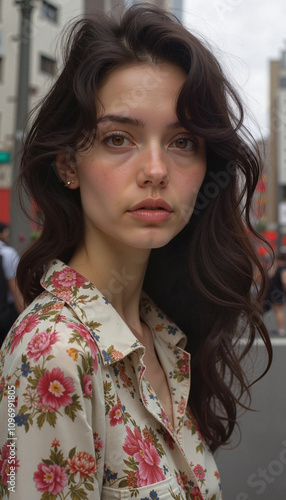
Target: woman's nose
x: 153, y: 169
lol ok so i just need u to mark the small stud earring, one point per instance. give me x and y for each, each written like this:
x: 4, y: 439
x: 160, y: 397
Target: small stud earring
x: 68, y: 183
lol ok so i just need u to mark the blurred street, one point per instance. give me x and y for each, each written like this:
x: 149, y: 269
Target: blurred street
x: 256, y: 468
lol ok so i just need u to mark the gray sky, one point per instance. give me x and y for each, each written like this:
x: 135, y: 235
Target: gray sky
x: 246, y: 35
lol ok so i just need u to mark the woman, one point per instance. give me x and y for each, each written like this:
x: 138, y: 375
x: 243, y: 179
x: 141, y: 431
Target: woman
x: 135, y: 161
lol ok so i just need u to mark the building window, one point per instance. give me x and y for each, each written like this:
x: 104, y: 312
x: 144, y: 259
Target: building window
x: 47, y: 65
x: 49, y: 11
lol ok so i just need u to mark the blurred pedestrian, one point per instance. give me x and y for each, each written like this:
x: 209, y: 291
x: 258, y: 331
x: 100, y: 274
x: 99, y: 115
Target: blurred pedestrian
x: 276, y: 292
x: 11, y: 301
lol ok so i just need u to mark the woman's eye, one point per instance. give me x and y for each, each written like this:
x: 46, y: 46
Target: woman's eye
x: 117, y: 140
x: 184, y: 143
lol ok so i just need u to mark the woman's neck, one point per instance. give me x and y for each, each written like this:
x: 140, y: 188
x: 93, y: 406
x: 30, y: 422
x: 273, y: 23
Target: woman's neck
x: 118, y: 273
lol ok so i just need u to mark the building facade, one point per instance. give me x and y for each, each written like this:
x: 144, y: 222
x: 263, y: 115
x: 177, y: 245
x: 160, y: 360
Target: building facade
x: 109, y: 5
x: 47, y: 22
x: 276, y: 189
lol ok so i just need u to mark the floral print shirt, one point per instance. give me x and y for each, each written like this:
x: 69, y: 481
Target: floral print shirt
x: 78, y: 419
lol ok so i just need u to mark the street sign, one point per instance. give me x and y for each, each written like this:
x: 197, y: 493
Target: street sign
x: 5, y: 156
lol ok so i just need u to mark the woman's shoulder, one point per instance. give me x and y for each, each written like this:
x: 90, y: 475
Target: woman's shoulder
x: 52, y: 364
x: 47, y: 324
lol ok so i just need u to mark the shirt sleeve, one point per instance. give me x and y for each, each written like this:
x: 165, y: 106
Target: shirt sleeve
x: 10, y: 261
x: 52, y: 391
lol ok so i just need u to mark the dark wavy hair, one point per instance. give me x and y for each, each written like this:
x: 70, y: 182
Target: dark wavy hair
x: 203, y: 279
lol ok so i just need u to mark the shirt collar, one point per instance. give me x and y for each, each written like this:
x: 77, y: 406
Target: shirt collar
x: 114, y: 338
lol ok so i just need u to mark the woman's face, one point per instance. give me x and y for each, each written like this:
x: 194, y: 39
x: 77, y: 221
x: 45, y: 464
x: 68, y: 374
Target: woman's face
x: 140, y: 180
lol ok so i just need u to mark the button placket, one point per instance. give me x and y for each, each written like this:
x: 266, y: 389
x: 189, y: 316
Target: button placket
x: 154, y: 407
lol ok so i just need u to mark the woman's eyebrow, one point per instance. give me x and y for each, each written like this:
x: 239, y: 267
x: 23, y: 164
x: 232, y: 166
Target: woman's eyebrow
x: 132, y: 121
x: 121, y: 119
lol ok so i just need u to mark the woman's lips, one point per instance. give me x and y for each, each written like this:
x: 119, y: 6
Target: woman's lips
x: 151, y: 214
x: 152, y: 210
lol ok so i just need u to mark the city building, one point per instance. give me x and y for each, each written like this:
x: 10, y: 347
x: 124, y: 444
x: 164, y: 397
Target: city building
x: 107, y: 5
x: 276, y: 179
x: 47, y: 22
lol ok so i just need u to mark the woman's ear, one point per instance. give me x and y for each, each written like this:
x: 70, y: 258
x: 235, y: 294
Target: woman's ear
x: 67, y: 170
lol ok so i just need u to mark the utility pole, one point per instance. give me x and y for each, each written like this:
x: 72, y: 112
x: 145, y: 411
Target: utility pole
x: 20, y: 227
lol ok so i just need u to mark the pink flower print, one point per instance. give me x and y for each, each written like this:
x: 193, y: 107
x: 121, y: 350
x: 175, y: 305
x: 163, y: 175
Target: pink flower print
x: 131, y: 443
x: 55, y: 389
x: 182, y: 479
x: 132, y: 479
x: 52, y: 478
x: 149, y: 471
x: 117, y: 355
x: 67, y: 278
x: 82, y: 462
x: 199, y: 472
x: 98, y: 444
x: 146, y: 455
x: 64, y: 293
x: 196, y: 494
x: 45, y: 408
x: 115, y: 415
x: 182, y: 406
x: 41, y: 345
x: 25, y: 326
x: 83, y: 332
x: 53, y: 307
x: 4, y: 462
x: 125, y: 379
x: 87, y: 385
x: 184, y: 368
